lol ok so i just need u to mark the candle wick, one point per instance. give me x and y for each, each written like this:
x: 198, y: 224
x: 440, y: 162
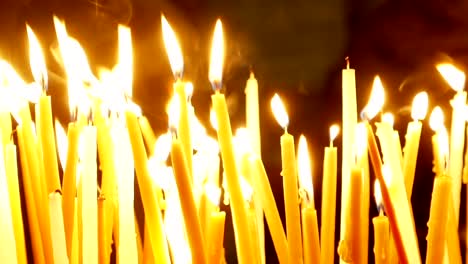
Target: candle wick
x: 347, y: 62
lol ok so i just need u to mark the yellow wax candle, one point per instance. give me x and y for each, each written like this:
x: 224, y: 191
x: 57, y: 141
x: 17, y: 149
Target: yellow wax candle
x: 252, y: 215
x: 75, y: 245
x: 232, y: 177
x: 413, y: 134
x: 49, y: 150
x: 103, y: 247
x: 349, y: 121
x: 353, y: 232
x: 34, y: 227
x: 5, y: 126
x: 87, y: 194
x: 69, y: 184
x: 327, y: 231
x: 438, y: 219
x: 7, y: 244
x: 127, y: 248
x: 452, y: 242
x: 440, y: 145
x: 187, y: 203
x: 11, y: 166
x: 148, y: 194
x: 215, y: 237
x: 311, y: 235
x: 260, y: 178
x: 58, y: 232
x: 252, y: 113
x: 147, y: 252
x: 148, y: 134
x: 381, y: 238
x: 183, y: 129
x: 456, y: 79
x: 290, y: 184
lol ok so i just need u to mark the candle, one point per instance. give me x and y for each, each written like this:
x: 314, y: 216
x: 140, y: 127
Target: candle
x: 7, y: 244
x: 456, y: 79
x: 381, y: 230
x: 252, y: 113
x: 189, y: 210
x: 47, y: 138
x: 353, y: 238
x: 148, y: 134
x: 58, y: 232
x: 31, y: 209
x: 87, y: 195
x: 5, y: 124
x: 438, y: 219
x: 239, y: 212
x: 260, y: 178
x: 177, y: 64
x: 349, y: 121
x: 327, y: 230
x: 393, y: 193
x: 413, y: 134
x: 440, y: 143
x: 289, y: 173
x: 363, y: 162
x: 215, y: 235
x: 75, y: 252
x: 311, y: 244
x: 148, y: 194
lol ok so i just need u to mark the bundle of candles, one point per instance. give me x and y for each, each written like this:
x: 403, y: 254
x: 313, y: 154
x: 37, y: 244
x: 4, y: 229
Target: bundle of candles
x: 81, y: 216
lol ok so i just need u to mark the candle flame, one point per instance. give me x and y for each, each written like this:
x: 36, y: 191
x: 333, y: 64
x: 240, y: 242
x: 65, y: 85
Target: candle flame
x: 377, y: 194
x: 436, y: 120
x: 334, y: 131
x: 361, y: 140
x: 125, y: 65
x: 420, y: 105
x: 217, y: 55
x: 188, y: 89
x: 376, y: 100
x: 213, y: 193
x: 242, y: 143
x: 173, y: 112
x: 213, y: 120
x: 452, y: 75
x: 36, y: 59
x: 388, y: 118
x: 173, y: 49
x: 304, y: 166
x: 162, y: 148
x: 62, y: 143
x: 246, y: 188
x: 279, y: 111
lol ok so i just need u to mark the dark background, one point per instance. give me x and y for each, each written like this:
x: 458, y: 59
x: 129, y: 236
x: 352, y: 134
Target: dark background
x: 296, y: 48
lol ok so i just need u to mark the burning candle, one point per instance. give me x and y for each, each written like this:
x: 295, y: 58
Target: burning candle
x: 224, y: 132
x: 311, y: 244
x: 413, y: 134
x: 327, y: 231
x: 381, y: 230
x: 289, y: 173
x: 456, y: 79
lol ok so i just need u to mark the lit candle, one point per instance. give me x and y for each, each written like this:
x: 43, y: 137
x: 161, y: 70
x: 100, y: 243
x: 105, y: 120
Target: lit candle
x: 11, y: 166
x: 177, y: 64
x: 349, y: 121
x: 45, y: 124
x: 239, y: 212
x: 327, y: 230
x: 87, y: 195
x: 268, y: 203
x: 413, y: 134
x: 438, y: 219
x: 311, y: 243
x: 289, y: 173
x: 439, y: 141
x: 58, y: 232
x: 7, y: 244
x: 456, y: 79
x: 381, y: 230
x: 393, y: 193
x: 363, y: 162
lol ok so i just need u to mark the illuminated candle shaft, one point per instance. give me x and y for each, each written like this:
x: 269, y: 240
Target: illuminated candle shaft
x: 327, y: 231
x: 187, y: 203
x: 354, y: 215
x: 183, y: 129
x: 413, y: 135
x: 215, y: 235
x: 5, y: 126
x: 381, y: 239
x: 252, y: 113
x: 293, y: 216
x: 148, y: 134
x: 58, y: 232
x: 311, y: 235
x: 239, y: 211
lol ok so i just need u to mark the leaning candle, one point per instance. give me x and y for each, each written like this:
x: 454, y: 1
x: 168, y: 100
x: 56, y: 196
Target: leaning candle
x: 438, y: 219
x: 349, y: 120
x: 456, y: 79
x: 239, y: 212
x: 413, y: 134
x: 381, y: 230
x: 289, y: 173
x: 327, y: 231
x: 310, y: 232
